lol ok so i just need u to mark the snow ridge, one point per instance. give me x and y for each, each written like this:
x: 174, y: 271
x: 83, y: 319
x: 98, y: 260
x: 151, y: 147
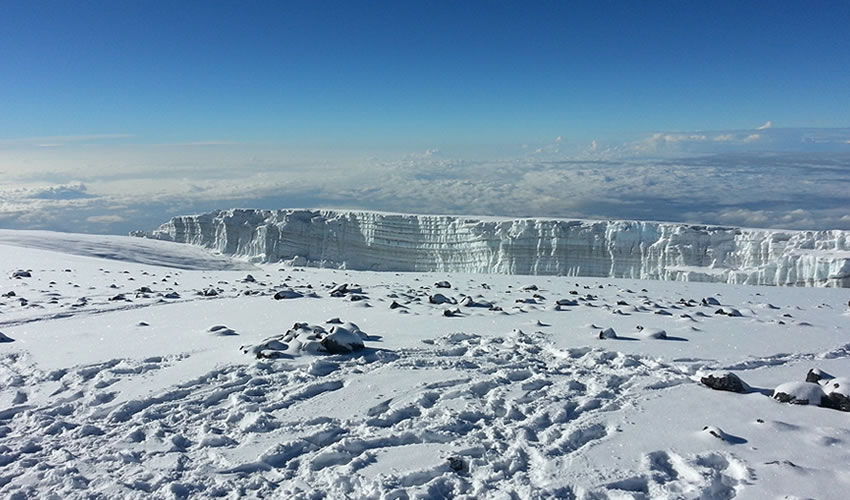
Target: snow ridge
x: 440, y: 243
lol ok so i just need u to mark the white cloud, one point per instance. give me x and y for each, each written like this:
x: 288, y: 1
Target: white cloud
x: 105, y: 219
x: 752, y: 138
x: 768, y: 124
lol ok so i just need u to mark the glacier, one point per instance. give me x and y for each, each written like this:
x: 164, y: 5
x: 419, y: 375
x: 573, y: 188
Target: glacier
x: 363, y: 240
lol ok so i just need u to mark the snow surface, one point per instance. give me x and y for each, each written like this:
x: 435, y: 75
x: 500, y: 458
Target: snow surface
x: 108, y: 389
x: 622, y: 249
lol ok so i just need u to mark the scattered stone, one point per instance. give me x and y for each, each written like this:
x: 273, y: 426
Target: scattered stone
x: 9, y: 294
x: 815, y: 375
x: 729, y: 311
x: 725, y: 382
x: 171, y: 295
x: 566, y: 302
x: 287, y: 294
x: 20, y: 273
x: 718, y: 433
x: 837, y: 394
x: 439, y: 298
x: 530, y: 288
x: 342, y: 340
x: 799, y: 393
x: 608, y: 333
x: 4, y: 338
x: 249, y: 279
x: 221, y: 330
x: 451, y: 313
x: 334, y: 321
x: 395, y: 305
x: 210, y: 292
x: 458, y: 464
x: 143, y: 323
x: 443, y: 284
x: 710, y: 301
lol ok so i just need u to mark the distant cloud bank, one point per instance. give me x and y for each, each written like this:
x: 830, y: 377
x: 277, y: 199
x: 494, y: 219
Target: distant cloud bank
x: 787, y: 190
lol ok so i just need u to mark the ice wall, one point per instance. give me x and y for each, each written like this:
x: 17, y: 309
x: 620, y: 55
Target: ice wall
x: 646, y: 250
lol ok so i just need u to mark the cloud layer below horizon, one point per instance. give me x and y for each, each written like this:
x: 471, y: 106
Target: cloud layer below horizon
x: 781, y: 190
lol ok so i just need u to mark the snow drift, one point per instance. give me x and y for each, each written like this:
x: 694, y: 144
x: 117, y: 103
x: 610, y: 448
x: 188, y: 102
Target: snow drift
x: 628, y: 249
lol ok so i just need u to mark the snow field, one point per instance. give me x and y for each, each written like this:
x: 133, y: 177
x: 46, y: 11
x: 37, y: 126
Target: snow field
x: 514, y: 395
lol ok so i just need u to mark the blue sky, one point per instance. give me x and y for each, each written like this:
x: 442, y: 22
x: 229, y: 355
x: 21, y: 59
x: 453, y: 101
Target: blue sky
x: 115, y: 115
x: 410, y: 75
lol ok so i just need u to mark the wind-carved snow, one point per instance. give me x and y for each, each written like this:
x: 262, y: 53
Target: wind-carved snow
x: 625, y: 249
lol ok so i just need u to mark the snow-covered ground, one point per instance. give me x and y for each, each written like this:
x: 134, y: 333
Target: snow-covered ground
x: 164, y: 371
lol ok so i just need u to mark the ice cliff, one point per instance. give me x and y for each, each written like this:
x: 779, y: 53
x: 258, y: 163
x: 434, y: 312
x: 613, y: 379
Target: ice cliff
x: 631, y: 249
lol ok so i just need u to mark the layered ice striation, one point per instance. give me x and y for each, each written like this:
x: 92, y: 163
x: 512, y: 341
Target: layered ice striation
x: 629, y: 249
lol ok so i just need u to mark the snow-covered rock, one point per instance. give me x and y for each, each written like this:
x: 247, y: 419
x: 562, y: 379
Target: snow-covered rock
x: 342, y: 340
x: 801, y: 393
x: 608, y: 333
x: 837, y: 393
x: 726, y: 381
x: 629, y: 249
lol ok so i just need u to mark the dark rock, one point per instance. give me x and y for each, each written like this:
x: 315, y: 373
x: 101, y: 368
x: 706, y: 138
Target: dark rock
x: 799, y: 393
x: 458, y: 464
x: 836, y: 401
x: 710, y: 301
x: 443, y: 284
x: 287, y: 294
x: 439, y: 298
x: 607, y: 333
x: 726, y: 382
x: 815, y: 375
x: 451, y: 313
x: 22, y: 274
x: 342, y: 341
x: 339, y: 290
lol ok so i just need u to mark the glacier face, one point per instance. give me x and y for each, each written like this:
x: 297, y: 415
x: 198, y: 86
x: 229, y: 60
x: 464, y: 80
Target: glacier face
x: 629, y: 249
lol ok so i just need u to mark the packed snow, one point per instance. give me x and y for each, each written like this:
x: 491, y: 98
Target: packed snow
x: 145, y: 369
x: 616, y: 249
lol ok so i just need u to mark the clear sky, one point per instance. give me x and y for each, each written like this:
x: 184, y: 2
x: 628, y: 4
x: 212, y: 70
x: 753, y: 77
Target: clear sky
x: 118, y: 114
x: 418, y: 74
